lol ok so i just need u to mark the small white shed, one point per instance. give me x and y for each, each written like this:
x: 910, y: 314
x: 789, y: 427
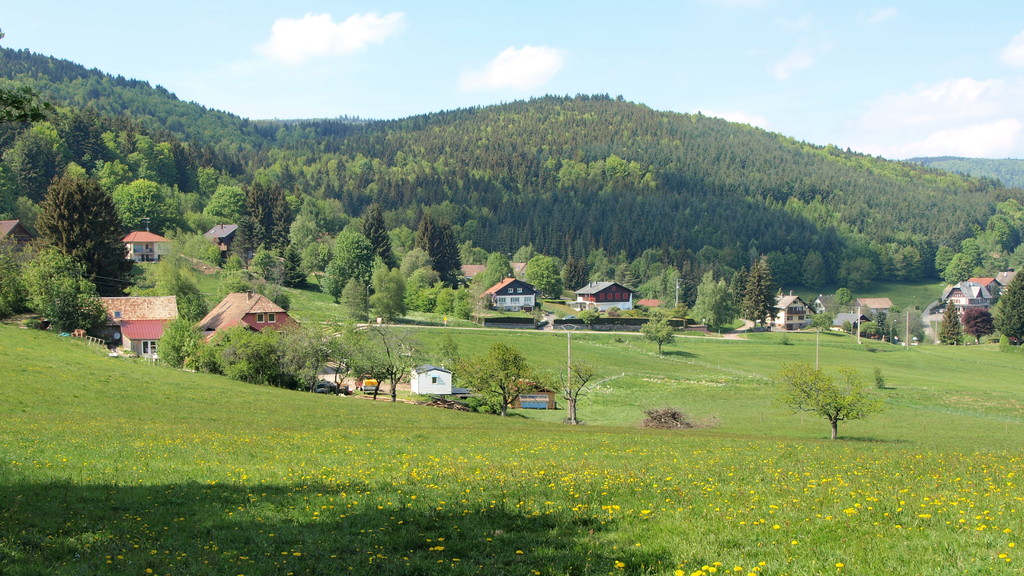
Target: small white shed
x: 429, y: 379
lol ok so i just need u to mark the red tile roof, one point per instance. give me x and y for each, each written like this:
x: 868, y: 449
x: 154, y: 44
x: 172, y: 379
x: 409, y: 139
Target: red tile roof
x: 233, y: 308
x: 494, y: 289
x: 143, y: 329
x: 143, y: 236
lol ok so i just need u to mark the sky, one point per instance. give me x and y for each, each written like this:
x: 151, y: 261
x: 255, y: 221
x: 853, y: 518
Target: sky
x: 896, y: 79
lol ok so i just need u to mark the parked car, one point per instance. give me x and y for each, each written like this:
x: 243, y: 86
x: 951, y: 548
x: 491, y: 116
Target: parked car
x: 325, y: 387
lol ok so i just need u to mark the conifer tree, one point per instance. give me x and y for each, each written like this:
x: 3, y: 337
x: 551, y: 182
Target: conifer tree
x: 79, y: 218
x: 759, y: 293
x: 1009, y: 313
x: 376, y: 232
x: 951, y: 330
x: 438, y: 241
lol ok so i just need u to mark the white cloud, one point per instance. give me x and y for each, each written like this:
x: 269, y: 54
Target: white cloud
x: 963, y: 117
x: 991, y: 140
x: 882, y: 15
x: 1013, y: 53
x: 795, y: 61
x: 522, y: 69
x: 295, y: 41
x: 740, y: 117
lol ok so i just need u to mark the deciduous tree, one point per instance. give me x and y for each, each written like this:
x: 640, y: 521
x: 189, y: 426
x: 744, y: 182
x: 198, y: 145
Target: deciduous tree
x: 977, y: 322
x: 659, y: 331
x: 810, y: 390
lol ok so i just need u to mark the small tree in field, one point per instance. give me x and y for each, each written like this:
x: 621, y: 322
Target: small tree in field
x: 573, y: 387
x: 659, y: 331
x: 808, y: 389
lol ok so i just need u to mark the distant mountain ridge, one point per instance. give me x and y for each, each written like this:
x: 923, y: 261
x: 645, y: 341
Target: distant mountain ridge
x: 1009, y: 171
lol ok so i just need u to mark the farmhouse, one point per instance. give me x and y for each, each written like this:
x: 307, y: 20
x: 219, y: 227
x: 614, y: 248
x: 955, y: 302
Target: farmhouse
x: 249, y: 309
x: 602, y: 296
x: 138, y: 322
x: 144, y: 246
x: 512, y: 294
x: 794, y: 313
x: 854, y: 319
x: 428, y: 379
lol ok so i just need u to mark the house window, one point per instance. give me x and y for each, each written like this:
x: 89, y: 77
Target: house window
x: 272, y: 317
x: 117, y: 314
x: 519, y: 290
x: 433, y: 379
x: 259, y: 319
x: 149, y: 346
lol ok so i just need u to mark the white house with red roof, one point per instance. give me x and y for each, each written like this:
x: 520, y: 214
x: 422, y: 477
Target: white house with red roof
x: 139, y: 321
x: 249, y: 309
x: 144, y: 246
x: 513, y: 295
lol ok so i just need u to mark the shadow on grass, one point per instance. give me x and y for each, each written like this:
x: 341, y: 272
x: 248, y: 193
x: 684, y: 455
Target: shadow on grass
x: 679, y: 354
x: 356, y: 528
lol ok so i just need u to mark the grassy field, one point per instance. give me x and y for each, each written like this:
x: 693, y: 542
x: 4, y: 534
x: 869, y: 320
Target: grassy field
x: 112, y: 466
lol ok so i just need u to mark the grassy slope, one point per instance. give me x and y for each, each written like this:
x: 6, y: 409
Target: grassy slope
x: 114, y: 467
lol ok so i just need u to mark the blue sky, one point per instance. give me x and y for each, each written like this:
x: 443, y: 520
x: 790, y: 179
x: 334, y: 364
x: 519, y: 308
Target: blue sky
x: 896, y: 79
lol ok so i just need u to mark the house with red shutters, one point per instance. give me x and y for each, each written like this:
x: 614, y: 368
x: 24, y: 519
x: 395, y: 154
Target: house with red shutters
x: 249, y: 309
x: 138, y: 322
x: 603, y: 296
x: 512, y: 295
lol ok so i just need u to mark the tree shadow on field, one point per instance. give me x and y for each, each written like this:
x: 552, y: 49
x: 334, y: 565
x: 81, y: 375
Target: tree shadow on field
x: 872, y: 440
x: 62, y: 527
x: 679, y: 354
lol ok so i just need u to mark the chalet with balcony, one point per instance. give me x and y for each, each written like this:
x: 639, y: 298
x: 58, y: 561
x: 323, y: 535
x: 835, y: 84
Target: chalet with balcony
x: 967, y: 295
x: 222, y: 235
x: 512, y: 295
x: 793, y: 313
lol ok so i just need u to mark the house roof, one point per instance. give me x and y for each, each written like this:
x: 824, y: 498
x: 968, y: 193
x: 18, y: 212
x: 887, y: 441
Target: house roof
x: 518, y: 268
x: 470, y: 270
x: 507, y: 281
x: 875, y: 303
x: 787, y: 300
x: 971, y: 290
x: 143, y: 329
x: 850, y: 317
x: 14, y: 228
x: 1005, y: 277
x: 649, y: 302
x: 143, y: 236
x: 986, y: 282
x: 595, y: 287
x: 431, y: 368
x: 221, y: 231
x: 230, y: 311
x: 135, y: 308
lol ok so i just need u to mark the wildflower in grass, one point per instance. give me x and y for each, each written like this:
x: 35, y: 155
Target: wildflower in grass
x: 620, y: 564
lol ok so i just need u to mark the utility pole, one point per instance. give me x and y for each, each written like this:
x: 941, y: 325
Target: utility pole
x: 858, y: 324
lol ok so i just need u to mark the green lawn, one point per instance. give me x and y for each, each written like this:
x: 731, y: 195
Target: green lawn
x: 112, y: 466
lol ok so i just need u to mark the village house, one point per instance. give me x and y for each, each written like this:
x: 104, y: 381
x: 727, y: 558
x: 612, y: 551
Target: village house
x: 603, y: 296
x: 512, y: 295
x: 144, y: 246
x: 138, y: 321
x: 855, y: 320
x: 967, y: 295
x: 793, y: 313
x: 994, y: 287
x: 222, y: 235
x: 14, y: 230
x: 873, y: 306
x: 249, y: 309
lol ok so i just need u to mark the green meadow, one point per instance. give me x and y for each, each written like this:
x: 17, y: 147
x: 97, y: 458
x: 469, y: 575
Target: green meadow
x: 115, y: 466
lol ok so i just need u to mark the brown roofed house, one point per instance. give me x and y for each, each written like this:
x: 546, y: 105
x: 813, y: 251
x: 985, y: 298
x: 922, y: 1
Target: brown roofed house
x: 872, y: 306
x: 140, y: 320
x: 249, y: 309
x: 15, y: 230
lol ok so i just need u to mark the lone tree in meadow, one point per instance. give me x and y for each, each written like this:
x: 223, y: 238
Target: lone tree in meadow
x: 659, y: 331
x: 499, y: 377
x: 574, y: 383
x: 808, y: 389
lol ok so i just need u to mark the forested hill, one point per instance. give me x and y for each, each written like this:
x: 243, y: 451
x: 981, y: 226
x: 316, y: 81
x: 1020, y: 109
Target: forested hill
x: 1009, y: 171
x: 568, y: 175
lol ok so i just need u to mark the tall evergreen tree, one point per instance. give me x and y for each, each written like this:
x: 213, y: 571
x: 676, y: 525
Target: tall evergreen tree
x: 438, y: 241
x: 950, y: 329
x: 575, y: 273
x: 267, y: 220
x: 376, y: 232
x: 1009, y: 314
x: 79, y: 218
x: 759, y: 293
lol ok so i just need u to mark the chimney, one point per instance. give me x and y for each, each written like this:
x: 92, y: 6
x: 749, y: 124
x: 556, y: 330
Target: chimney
x: 248, y: 295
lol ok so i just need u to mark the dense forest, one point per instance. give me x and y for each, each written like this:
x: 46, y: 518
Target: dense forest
x: 642, y: 195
